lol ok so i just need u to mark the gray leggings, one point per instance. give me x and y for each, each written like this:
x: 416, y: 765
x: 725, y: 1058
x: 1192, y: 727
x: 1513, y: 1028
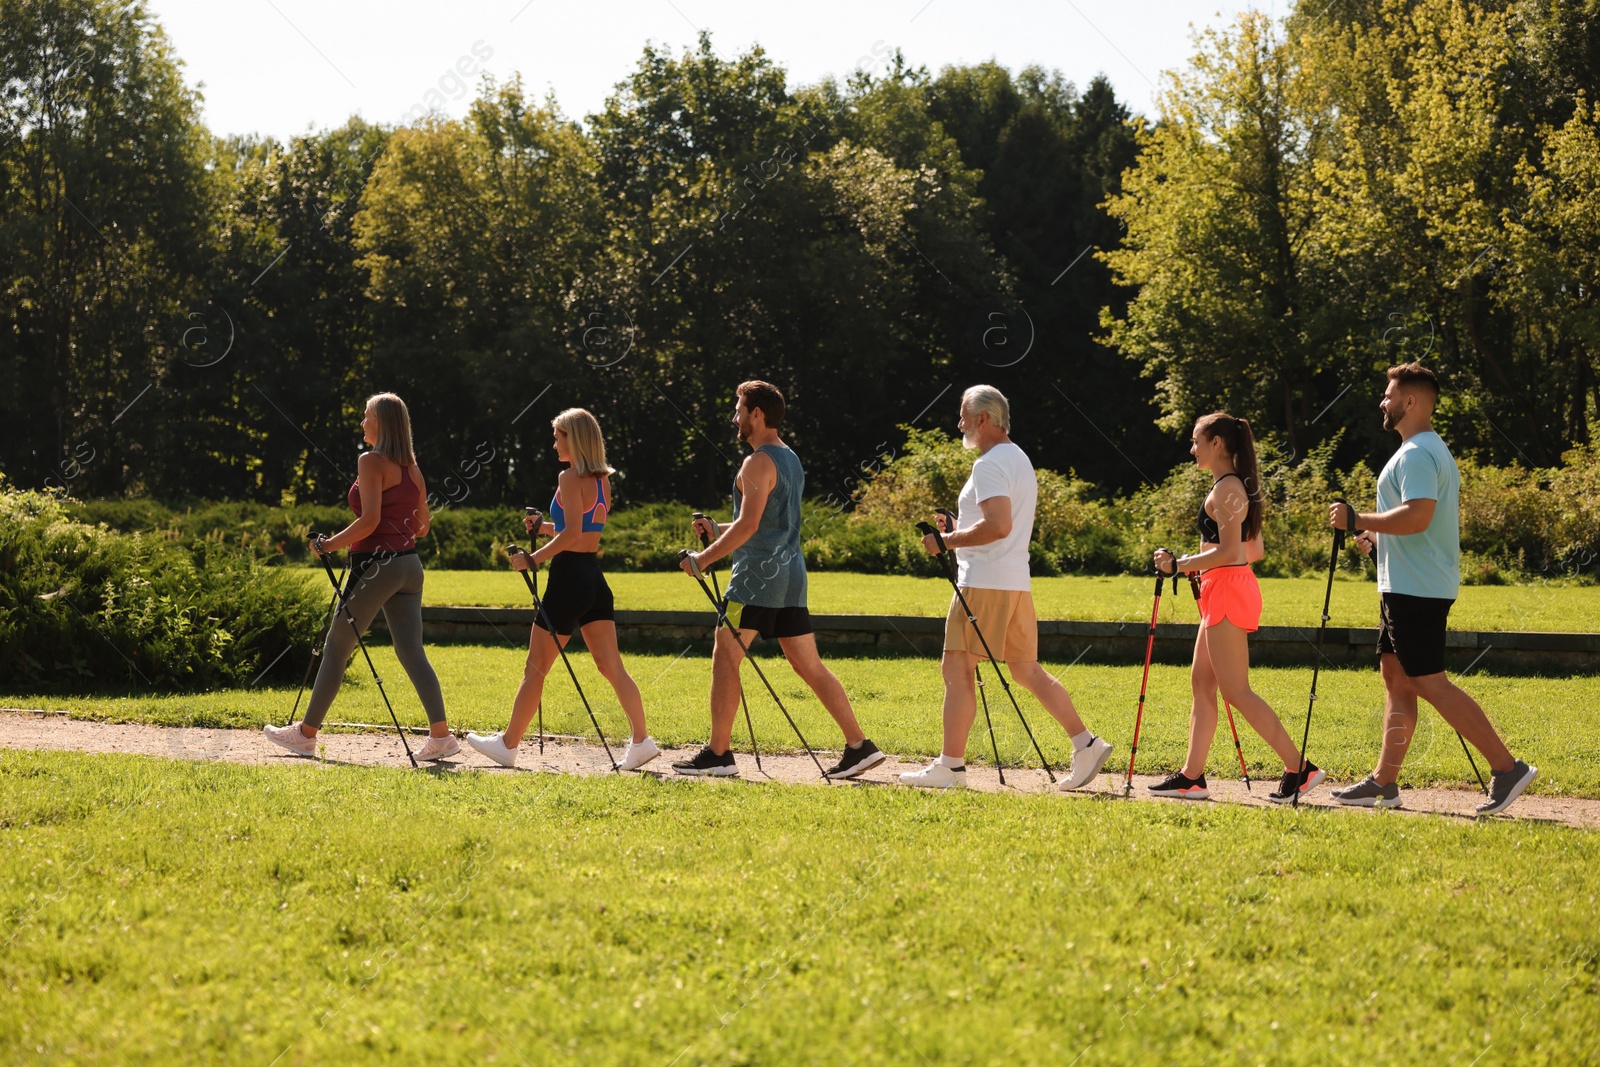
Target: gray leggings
x: 394, y: 585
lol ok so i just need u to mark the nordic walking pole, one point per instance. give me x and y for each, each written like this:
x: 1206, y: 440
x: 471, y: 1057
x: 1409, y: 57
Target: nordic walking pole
x: 1144, y: 682
x: 354, y: 576
x: 723, y: 620
x: 977, y: 673
x: 705, y: 541
x: 551, y: 629
x: 1244, y: 772
x: 316, y: 649
x: 1327, y: 599
x: 538, y: 521
x: 926, y: 528
x: 977, y: 676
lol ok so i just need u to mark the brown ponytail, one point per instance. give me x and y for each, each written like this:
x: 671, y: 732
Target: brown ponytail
x: 1241, y: 445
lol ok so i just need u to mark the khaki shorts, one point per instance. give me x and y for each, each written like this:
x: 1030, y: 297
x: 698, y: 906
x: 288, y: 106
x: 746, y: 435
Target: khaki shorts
x: 1006, y: 618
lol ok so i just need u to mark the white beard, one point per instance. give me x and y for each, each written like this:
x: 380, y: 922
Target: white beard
x: 968, y: 442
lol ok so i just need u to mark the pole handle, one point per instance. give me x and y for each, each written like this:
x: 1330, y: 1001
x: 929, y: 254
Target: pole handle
x: 1350, y: 523
x: 705, y: 538
x: 1162, y: 576
x: 926, y: 528
x: 684, y: 553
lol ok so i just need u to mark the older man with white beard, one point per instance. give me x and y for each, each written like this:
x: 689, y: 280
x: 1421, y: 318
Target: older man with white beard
x: 993, y: 527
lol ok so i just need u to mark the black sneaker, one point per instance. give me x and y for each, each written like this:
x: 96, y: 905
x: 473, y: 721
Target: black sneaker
x: 707, y: 763
x: 1297, y: 783
x: 1506, y: 786
x: 1181, y: 786
x: 863, y: 757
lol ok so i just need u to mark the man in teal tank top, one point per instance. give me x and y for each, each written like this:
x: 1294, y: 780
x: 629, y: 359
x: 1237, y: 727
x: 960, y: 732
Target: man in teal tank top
x: 767, y: 592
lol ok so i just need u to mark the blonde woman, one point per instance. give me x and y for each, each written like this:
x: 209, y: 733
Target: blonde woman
x: 390, y: 500
x: 577, y: 596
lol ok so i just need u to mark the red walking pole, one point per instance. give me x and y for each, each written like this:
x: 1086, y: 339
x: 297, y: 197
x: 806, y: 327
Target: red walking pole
x: 1149, y: 650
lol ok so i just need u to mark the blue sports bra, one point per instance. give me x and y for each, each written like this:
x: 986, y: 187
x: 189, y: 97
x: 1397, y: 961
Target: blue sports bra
x: 558, y: 517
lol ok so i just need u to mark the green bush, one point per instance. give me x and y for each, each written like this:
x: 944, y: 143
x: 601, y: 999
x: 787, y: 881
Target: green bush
x: 85, y: 603
x: 1073, y: 531
x: 1516, y: 524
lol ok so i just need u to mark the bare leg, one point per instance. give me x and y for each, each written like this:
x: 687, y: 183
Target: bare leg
x: 1203, y: 712
x: 726, y: 656
x: 1229, y: 647
x: 542, y: 652
x: 1399, y: 719
x: 601, y: 638
x: 1458, y: 709
x: 960, y: 700
x: 801, y: 652
x: 1036, y: 680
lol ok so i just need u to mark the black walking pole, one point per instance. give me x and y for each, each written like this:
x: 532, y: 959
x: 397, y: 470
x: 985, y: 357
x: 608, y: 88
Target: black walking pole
x: 551, y: 629
x: 722, y: 619
x: 538, y: 521
x: 705, y: 540
x: 926, y: 528
x: 316, y: 649
x: 977, y: 674
x: 1244, y: 772
x: 1316, y: 667
x: 353, y: 577
x: 1144, y: 682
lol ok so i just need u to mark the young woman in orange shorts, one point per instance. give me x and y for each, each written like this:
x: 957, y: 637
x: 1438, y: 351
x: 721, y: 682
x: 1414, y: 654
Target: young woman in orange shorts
x: 1230, y: 609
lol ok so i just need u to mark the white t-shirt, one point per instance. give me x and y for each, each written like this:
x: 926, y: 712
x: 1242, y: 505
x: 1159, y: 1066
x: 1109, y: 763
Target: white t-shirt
x: 1005, y: 471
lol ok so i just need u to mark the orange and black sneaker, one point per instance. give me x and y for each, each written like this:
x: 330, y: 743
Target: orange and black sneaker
x: 1296, y: 783
x: 1181, y: 786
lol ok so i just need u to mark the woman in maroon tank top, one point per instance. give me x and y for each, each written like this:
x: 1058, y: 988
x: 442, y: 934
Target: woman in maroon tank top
x: 390, y: 500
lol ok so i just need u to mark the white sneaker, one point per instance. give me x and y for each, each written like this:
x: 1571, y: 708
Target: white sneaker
x: 936, y: 776
x: 494, y: 746
x: 1086, y: 763
x: 637, y: 754
x: 437, y: 748
x: 291, y: 738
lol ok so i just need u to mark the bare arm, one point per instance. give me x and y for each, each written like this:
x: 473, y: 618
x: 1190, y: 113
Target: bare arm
x: 369, y: 483
x: 1409, y: 518
x: 994, y: 526
x: 1229, y: 506
x: 422, y: 518
x: 757, y: 477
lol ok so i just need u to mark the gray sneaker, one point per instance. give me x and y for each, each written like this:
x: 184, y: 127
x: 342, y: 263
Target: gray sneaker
x: 1506, y: 786
x: 1367, y: 793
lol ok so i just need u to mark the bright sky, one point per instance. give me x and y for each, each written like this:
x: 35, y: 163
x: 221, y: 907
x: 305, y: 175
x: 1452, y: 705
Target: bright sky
x: 280, y: 67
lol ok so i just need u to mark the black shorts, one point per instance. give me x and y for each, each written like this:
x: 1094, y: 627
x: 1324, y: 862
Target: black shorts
x: 577, y: 593
x: 770, y: 622
x: 1412, y: 628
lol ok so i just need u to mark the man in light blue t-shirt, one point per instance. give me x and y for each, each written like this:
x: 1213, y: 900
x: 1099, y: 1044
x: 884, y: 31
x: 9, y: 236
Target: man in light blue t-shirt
x: 1416, y: 534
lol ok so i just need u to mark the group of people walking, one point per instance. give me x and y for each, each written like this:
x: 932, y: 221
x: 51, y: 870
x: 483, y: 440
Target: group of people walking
x: 1414, y: 536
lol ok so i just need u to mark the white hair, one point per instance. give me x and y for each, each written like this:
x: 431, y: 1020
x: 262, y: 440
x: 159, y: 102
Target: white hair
x: 987, y: 400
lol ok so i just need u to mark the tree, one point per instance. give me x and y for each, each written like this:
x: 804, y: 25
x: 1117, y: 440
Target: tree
x: 103, y: 217
x: 474, y: 235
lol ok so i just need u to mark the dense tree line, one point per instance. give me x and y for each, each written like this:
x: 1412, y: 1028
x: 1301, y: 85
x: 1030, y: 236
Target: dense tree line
x: 187, y: 315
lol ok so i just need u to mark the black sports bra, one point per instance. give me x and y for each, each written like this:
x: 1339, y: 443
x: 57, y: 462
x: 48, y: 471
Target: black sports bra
x: 1209, y: 534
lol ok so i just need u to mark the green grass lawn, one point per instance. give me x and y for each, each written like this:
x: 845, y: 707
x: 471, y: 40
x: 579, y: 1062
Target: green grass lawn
x: 1286, y: 601
x: 1552, y: 722
x: 159, y: 912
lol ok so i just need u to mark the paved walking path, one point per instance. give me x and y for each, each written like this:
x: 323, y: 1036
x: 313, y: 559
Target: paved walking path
x: 54, y: 731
